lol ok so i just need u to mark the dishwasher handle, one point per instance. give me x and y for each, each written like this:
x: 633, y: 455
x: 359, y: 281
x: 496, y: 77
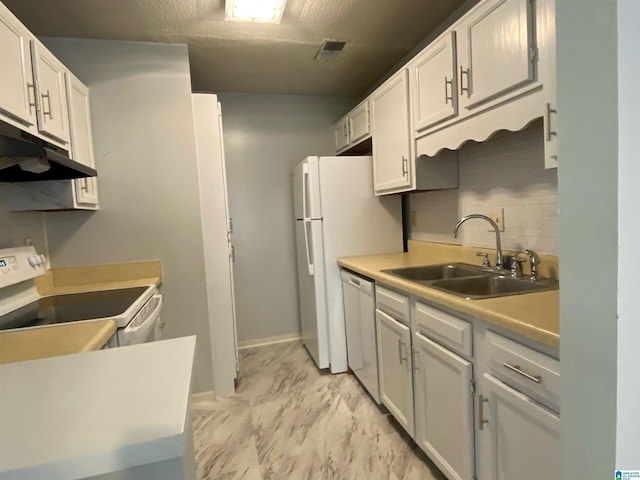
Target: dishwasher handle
x: 361, y: 283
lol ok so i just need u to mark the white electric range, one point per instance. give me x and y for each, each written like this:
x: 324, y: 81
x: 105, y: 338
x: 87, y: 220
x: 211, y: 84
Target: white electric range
x: 136, y: 310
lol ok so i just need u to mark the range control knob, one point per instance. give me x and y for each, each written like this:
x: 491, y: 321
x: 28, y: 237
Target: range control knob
x: 33, y: 261
x: 42, y: 259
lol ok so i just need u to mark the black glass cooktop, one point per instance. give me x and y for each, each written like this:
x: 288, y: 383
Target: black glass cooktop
x: 72, y: 308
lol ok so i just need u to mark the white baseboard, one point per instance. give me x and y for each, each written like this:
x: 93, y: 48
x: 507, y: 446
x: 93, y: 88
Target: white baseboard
x: 260, y: 342
x: 200, y: 397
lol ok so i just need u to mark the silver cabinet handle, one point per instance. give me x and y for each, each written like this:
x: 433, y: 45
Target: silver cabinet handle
x: 405, y: 166
x: 33, y: 104
x: 402, y: 358
x: 548, y: 113
x: 48, y: 97
x: 85, y: 185
x: 416, y: 359
x: 464, y: 71
x: 481, y: 421
x: 354, y: 282
x: 447, y: 84
x: 518, y: 370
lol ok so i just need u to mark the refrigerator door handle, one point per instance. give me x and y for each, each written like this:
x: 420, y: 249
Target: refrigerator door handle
x: 307, y: 223
x: 305, y: 182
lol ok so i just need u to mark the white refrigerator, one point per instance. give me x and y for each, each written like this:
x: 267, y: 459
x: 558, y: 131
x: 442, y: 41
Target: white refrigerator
x: 337, y: 215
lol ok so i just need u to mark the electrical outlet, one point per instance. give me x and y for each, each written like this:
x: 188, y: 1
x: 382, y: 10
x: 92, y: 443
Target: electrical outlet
x: 413, y: 218
x: 497, y: 215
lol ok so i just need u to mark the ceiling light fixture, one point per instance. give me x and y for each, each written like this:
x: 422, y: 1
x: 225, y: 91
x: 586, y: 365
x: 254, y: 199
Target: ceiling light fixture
x: 259, y: 11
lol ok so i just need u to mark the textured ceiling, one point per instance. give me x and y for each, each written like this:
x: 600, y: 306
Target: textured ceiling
x: 242, y: 57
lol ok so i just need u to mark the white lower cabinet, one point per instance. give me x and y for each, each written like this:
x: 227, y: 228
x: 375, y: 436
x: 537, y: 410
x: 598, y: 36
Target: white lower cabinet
x: 443, y: 396
x: 480, y: 405
x: 519, y: 438
x: 395, y: 366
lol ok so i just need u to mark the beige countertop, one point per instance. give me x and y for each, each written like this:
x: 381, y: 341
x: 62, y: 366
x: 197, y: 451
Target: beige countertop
x: 55, y: 340
x: 99, y: 277
x: 534, y: 315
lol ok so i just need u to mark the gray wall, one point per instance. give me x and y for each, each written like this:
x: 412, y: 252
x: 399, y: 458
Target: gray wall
x: 148, y: 185
x: 264, y: 137
x: 587, y: 187
x: 15, y: 227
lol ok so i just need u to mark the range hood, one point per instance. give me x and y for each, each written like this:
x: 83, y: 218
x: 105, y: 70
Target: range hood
x: 25, y: 161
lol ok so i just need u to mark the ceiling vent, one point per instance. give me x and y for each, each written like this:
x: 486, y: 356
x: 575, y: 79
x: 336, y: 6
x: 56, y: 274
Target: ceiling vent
x: 330, y: 51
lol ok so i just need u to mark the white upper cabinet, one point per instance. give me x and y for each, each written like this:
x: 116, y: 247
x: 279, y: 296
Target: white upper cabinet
x: 341, y: 133
x: 434, y: 83
x: 17, y: 90
x: 53, y: 116
x: 353, y: 128
x: 391, y: 136
x: 496, y: 50
x: 359, y: 127
x: 85, y: 189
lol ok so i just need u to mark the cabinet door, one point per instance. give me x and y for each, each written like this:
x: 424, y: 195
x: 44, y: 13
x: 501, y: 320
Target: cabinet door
x: 395, y: 364
x: 496, y: 50
x: 86, y: 189
x: 434, y: 84
x: 546, y: 39
x: 524, y: 438
x: 341, y: 133
x: 391, y: 136
x: 359, y: 123
x: 444, y: 407
x: 53, y: 115
x: 17, y: 90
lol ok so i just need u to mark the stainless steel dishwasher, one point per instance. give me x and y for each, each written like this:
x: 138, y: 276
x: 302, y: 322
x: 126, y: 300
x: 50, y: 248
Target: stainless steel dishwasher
x: 359, y: 316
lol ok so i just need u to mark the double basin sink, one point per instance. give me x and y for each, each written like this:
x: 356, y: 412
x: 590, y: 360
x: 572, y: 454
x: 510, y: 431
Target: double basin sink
x: 471, y: 281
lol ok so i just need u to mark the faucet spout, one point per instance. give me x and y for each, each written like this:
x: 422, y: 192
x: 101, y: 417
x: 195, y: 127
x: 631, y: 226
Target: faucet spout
x: 495, y: 228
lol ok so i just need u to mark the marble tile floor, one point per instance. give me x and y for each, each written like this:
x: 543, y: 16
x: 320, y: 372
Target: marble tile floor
x: 288, y: 421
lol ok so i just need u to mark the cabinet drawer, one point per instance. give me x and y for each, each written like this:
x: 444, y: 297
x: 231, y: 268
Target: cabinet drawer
x: 448, y: 330
x: 393, y: 303
x: 524, y: 369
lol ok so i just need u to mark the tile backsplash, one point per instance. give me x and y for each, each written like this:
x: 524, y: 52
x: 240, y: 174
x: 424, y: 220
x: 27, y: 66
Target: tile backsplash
x: 506, y: 172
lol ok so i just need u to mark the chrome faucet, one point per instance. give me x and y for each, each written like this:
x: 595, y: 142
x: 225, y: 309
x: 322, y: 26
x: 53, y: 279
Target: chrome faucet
x: 495, y: 227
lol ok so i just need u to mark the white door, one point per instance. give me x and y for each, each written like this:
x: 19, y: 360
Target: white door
x: 444, y: 407
x: 17, y: 90
x: 391, y: 135
x: 218, y: 254
x: 434, y: 84
x: 496, y: 50
x: 53, y: 114
x: 232, y: 256
x: 522, y: 438
x: 85, y: 189
x: 395, y: 364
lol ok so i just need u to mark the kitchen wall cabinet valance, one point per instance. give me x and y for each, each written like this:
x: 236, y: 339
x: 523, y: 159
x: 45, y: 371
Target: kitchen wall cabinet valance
x: 353, y: 128
x: 32, y: 85
x: 494, y: 69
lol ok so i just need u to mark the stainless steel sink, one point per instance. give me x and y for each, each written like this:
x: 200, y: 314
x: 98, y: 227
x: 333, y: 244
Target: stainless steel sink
x: 429, y: 273
x: 491, y: 285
